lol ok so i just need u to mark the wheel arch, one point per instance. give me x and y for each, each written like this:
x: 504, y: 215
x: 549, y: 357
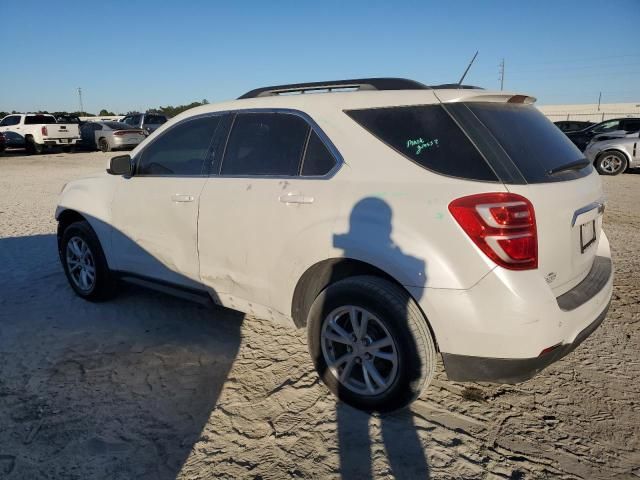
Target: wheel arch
x: 322, y: 274
x: 617, y: 150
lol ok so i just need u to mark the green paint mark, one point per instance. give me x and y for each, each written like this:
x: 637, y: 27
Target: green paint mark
x: 421, y: 144
x: 440, y: 216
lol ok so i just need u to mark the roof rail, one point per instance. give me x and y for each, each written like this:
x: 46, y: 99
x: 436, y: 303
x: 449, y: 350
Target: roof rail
x: 357, y: 84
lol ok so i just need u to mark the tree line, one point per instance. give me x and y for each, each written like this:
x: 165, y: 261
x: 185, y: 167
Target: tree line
x: 169, y: 111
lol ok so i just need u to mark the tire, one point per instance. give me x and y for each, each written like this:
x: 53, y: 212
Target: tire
x: 393, y: 314
x: 104, y: 283
x: 103, y: 145
x: 32, y: 147
x: 611, y: 163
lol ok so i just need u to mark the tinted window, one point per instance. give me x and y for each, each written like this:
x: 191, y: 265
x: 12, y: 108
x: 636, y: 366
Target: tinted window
x: 429, y: 137
x: 609, y: 126
x: 154, y: 119
x: 532, y: 142
x: 116, y: 125
x: 181, y: 150
x: 317, y: 159
x: 39, y: 119
x: 134, y: 120
x: 12, y: 120
x: 631, y: 125
x: 265, y: 144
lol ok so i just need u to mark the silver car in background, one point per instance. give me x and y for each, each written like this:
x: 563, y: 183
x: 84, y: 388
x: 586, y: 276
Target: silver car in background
x: 615, y: 155
x: 149, y: 122
x: 108, y: 136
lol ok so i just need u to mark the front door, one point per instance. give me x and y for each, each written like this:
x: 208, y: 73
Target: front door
x: 155, y: 212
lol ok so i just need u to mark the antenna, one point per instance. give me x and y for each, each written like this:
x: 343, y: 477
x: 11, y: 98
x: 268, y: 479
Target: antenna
x: 468, y: 67
x: 80, y: 98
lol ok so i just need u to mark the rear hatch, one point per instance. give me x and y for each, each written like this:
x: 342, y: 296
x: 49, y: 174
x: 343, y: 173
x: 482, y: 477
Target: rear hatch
x: 536, y: 160
x: 53, y: 130
x: 131, y: 136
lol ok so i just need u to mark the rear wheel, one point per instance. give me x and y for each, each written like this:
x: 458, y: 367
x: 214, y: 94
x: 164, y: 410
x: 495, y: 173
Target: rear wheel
x: 611, y: 163
x: 33, y: 147
x: 371, y: 344
x: 84, y: 263
x: 103, y: 145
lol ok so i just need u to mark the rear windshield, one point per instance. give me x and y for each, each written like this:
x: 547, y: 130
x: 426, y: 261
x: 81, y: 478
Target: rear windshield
x: 534, y: 144
x: 428, y: 136
x: 39, y: 119
x: 117, y: 125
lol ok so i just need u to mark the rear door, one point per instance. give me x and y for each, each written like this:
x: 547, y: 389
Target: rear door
x: 155, y: 212
x: 259, y: 214
x: 568, y: 201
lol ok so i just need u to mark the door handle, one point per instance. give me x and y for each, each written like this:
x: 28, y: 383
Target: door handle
x: 295, y: 198
x: 180, y: 198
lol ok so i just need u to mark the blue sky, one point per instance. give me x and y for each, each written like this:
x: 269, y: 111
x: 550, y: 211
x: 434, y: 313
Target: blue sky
x: 136, y: 54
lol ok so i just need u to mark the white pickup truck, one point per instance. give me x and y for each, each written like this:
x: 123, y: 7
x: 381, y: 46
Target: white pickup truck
x: 36, y: 131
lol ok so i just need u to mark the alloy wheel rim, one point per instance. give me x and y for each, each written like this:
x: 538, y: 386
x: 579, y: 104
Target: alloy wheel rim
x: 611, y: 164
x: 81, y: 264
x: 359, y: 350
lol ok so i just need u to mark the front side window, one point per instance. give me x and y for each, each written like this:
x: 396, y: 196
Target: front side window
x: 180, y: 150
x: 12, y: 120
x: 426, y: 135
x: 265, y: 144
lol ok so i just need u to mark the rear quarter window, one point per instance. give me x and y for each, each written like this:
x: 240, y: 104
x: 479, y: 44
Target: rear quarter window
x: 428, y: 136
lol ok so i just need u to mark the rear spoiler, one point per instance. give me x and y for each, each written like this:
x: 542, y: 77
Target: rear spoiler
x: 449, y: 96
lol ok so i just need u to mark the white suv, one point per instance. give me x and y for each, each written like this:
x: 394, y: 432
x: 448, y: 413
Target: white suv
x: 390, y: 219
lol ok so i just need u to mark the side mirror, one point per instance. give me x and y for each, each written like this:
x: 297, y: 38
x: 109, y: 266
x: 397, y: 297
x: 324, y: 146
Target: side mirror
x: 120, y: 165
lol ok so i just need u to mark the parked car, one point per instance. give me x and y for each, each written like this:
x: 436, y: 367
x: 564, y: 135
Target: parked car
x: 616, y: 126
x: 149, y: 122
x: 613, y: 156
x: 3, y: 143
x: 392, y: 221
x: 108, y: 136
x: 572, y: 125
x: 35, y: 132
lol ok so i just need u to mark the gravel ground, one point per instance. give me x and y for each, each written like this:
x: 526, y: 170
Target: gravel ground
x: 148, y: 386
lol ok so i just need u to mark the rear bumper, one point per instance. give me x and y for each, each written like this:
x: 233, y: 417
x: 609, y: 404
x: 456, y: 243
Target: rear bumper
x: 63, y: 142
x: 463, y: 368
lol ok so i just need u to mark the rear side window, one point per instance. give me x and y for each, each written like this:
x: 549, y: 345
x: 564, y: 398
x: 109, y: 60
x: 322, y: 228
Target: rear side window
x: 531, y: 141
x: 181, y: 150
x: 428, y: 136
x: 318, y: 160
x: 154, y: 119
x: 39, y: 119
x: 265, y: 144
x: 631, y: 125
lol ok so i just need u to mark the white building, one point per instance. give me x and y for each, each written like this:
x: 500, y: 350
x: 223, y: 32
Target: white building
x: 590, y: 111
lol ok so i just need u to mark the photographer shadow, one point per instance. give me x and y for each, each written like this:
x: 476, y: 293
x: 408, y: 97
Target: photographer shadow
x: 370, y: 223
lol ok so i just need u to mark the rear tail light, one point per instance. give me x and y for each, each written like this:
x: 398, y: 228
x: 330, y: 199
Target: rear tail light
x: 44, y: 130
x: 128, y: 132
x: 502, y: 225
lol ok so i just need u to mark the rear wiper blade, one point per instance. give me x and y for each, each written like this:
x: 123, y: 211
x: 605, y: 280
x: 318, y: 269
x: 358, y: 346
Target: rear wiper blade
x: 577, y: 165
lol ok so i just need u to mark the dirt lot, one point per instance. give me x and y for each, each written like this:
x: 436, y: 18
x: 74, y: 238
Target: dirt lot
x: 148, y: 386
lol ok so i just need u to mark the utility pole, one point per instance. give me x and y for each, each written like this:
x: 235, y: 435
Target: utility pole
x: 599, y: 100
x: 501, y: 72
x: 80, y: 98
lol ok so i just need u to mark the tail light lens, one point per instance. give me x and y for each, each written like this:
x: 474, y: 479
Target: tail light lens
x: 502, y: 225
x: 44, y: 130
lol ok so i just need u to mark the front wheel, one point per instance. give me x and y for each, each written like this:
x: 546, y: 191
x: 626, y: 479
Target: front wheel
x: 84, y: 263
x: 611, y: 163
x: 371, y: 344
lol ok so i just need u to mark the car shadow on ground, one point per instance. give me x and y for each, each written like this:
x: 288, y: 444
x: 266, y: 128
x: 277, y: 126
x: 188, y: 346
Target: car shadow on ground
x: 120, y: 389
